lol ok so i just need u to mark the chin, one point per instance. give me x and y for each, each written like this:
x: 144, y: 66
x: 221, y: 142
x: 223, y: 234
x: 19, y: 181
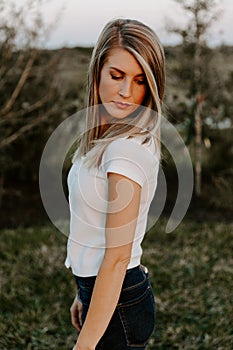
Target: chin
x: 112, y: 113
x: 117, y: 113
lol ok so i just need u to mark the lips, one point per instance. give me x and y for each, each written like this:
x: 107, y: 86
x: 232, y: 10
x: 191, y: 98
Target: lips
x: 122, y: 105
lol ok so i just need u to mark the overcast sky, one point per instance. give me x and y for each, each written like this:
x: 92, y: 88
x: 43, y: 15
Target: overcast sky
x: 81, y: 21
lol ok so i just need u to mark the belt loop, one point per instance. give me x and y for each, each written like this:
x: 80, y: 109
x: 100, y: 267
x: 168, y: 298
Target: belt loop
x: 144, y: 269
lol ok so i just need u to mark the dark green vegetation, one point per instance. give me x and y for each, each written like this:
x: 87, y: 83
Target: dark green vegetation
x: 20, y: 160
x: 191, y: 270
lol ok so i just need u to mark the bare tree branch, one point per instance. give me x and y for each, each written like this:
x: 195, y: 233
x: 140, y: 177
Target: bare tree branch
x: 21, y: 83
x: 32, y: 108
x: 21, y: 131
x: 6, y: 73
x: 38, y: 104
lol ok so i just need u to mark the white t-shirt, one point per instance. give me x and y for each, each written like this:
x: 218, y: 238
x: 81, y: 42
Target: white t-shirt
x: 88, y: 194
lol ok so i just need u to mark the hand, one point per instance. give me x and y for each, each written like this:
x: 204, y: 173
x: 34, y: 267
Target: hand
x: 76, y: 315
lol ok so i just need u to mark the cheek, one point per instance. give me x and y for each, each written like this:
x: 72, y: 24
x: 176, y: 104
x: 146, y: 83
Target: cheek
x: 140, y: 95
x: 107, y: 88
x: 101, y: 90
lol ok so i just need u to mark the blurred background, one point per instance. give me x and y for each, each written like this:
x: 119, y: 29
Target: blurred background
x: 45, y: 48
x: 45, y: 51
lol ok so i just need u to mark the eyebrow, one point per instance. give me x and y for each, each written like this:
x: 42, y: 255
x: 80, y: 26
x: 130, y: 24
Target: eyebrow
x: 122, y: 72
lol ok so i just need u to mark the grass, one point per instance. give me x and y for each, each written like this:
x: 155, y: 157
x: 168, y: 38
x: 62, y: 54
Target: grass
x: 191, y: 271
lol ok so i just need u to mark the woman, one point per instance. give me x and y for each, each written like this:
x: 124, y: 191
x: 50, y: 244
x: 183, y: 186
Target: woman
x: 111, y: 184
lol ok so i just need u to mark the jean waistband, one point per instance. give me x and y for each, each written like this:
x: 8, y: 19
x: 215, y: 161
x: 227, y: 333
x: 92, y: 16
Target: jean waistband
x: 133, y: 276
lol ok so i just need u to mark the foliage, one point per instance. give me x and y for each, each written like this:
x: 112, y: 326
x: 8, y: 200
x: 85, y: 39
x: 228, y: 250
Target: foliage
x: 23, y: 156
x: 200, y: 16
x: 55, y: 88
x: 202, y: 81
x: 215, y: 79
x: 29, y: 97
x: 191, y: 272
x: 218, y: 170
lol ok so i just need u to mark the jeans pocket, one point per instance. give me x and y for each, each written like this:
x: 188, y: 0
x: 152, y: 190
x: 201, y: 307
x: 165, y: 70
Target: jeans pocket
x: 138, y: 317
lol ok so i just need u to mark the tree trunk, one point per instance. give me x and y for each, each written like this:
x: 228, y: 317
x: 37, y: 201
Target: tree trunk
x: 198, y: 120
x: 1, y: 188
x: 198, y: 147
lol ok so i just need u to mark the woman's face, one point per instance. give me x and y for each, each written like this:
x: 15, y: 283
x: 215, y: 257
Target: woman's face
x: 122, y: 84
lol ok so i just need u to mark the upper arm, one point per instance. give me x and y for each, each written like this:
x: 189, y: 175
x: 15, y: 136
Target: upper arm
x: 122, y: 213
x: 128, y: 165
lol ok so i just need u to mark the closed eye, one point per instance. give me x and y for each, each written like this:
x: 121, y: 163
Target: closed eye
x: 141, y: 81
x: 116, y: 77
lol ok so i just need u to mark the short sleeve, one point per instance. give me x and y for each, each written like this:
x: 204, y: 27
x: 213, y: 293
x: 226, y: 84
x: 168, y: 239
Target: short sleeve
x: 129, y: 158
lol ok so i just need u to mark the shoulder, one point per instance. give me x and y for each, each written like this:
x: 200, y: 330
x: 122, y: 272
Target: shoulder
x: 131, y: 158
x: 132, y: 147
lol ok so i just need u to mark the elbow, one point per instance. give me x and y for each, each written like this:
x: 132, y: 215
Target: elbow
x: 123, y: 262
x: 119, y: 256
x: 119, y: 263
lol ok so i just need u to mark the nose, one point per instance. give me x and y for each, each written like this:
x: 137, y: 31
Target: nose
x: 125, y: 88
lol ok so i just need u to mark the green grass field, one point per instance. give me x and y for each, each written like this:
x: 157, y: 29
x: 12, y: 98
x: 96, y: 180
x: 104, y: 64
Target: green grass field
x: 191, y: 271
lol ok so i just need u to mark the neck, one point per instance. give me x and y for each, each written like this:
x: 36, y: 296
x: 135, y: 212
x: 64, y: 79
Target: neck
x: 105, y: 119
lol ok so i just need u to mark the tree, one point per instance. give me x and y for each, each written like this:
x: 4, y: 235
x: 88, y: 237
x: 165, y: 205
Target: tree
x: 201, y: 15
x: 28, y: 85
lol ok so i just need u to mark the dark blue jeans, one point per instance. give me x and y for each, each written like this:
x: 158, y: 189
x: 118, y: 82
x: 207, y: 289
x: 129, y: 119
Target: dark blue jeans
x: 133, y: 320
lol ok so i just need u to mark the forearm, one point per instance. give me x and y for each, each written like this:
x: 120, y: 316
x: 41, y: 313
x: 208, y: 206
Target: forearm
x: 104, y: 299
x: 122, y: 213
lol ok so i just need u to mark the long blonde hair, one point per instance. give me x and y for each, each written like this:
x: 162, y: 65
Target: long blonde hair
x: 139, y: 40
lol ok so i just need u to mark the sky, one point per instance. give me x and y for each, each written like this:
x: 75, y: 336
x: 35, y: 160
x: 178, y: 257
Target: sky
x: 80, y: 22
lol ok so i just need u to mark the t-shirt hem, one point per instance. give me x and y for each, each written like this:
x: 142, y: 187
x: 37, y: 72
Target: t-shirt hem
x: 133, y: 263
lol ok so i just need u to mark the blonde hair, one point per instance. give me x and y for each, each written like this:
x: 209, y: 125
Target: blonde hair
x: 139, y: 40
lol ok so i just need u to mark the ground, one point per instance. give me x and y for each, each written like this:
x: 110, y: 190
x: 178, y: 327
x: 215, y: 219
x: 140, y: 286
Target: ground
x: 191, y: 270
